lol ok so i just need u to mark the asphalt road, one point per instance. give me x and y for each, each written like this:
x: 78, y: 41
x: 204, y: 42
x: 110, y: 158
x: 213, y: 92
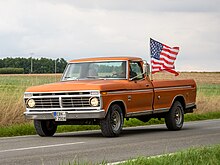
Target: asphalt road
x: 90, y: 146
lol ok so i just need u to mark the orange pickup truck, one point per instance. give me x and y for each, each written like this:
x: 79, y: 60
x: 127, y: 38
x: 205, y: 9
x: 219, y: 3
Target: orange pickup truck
x: 105, y: 91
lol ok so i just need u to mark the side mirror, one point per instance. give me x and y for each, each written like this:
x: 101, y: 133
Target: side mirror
x: 146, y: 68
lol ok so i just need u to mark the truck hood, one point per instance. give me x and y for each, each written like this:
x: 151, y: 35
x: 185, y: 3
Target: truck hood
x: 101, y: 85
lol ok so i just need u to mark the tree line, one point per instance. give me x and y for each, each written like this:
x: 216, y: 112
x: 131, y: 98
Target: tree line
x: 34, y: 65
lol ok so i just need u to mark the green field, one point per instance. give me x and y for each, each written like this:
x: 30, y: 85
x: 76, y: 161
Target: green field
x: 12, y: 107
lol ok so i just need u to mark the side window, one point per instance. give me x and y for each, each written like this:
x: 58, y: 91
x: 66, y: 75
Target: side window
x: 136, y: 70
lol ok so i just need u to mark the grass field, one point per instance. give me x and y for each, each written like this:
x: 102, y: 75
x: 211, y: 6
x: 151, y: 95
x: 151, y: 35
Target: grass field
x: 12, y: 88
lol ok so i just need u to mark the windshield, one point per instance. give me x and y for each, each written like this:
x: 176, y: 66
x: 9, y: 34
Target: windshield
x: 96, y: 70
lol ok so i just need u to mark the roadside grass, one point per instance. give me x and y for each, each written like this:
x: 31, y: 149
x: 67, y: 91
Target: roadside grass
x: 193, y: 156
x: 28, y: 128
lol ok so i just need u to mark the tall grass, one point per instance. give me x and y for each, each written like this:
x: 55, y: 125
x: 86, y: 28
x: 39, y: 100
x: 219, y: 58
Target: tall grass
x: 12, y: 88
x: 193, y: 156
x: 208, y: 89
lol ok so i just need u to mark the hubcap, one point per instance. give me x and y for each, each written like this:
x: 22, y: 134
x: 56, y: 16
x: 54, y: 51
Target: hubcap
x: 178, y: 116
x: 115, y: 120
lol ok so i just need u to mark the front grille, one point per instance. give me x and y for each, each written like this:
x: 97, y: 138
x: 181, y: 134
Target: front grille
x: 68, y: 102
x: 64, y: 102
x: 47, y: 103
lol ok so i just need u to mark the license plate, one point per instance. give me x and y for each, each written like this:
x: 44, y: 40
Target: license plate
x: 59, y: 116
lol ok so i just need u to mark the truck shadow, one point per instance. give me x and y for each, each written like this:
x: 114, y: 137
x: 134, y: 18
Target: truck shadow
x: 133, y: 131
x: 126, y: 132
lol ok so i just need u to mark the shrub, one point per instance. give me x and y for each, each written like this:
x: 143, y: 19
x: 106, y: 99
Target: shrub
x: 11, y: 70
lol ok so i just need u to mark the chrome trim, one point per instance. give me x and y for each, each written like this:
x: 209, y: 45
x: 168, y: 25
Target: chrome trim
x: 168, y: 88
x: 131, y: 91
x: 117, y: 101
x: 60, y: 102
x: 175, y: 99
x: 96, y: 61
x: 160, y: 110
x: 127, y: 68
x: 126, y: 61
x: 64, y: 72
x: 101, y: 102
x: 139, y: 113
x: 60, y: 97
x: 95, y: 114
x: 62, y: 109
x: 147, y: 112
x: 68, y: 92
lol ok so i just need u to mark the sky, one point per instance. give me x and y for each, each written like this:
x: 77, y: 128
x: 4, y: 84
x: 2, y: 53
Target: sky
x: 73, y: 29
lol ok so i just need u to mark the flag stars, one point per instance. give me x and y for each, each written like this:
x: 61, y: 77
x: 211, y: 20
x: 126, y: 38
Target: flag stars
x: 156, y: 49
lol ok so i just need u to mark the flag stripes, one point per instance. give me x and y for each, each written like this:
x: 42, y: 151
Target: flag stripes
x: 162, y: 57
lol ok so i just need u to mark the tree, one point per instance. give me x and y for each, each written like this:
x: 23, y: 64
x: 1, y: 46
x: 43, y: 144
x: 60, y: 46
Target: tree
x: 42, y: 65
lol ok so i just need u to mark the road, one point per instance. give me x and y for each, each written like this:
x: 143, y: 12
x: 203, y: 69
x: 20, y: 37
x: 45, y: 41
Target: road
x: 90, y: 146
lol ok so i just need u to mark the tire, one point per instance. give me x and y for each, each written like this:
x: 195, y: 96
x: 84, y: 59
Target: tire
x: 45, y: 127
x: 111, y: 126
x: 175, y: 117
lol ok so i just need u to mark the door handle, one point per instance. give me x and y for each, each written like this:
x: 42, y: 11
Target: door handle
x: 147, y: 85
x: 129, y: 98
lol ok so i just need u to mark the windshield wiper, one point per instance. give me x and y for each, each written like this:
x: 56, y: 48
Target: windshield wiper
x: 71, y: 78
x: 93, y: 77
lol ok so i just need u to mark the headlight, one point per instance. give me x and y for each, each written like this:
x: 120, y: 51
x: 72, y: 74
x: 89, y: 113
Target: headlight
x: 31, y: 103
x: 94, y: 102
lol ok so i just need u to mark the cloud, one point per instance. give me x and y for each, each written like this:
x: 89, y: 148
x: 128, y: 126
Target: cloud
x: 75, y: 29
x: 145, y: 6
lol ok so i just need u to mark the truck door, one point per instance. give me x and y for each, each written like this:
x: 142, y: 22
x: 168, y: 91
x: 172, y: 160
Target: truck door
x: 140, y: 98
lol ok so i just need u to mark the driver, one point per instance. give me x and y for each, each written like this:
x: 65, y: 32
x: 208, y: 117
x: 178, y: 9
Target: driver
x: 122, y: 72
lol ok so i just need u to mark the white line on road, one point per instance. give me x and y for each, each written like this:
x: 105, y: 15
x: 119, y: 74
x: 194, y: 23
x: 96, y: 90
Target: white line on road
x: 133, y: 160
x: 38, y: 147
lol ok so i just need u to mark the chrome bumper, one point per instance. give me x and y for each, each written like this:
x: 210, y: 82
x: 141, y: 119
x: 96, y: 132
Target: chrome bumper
x: 94, y: 114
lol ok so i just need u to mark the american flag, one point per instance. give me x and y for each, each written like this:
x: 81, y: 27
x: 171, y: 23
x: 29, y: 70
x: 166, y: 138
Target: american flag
x: 163, y: 57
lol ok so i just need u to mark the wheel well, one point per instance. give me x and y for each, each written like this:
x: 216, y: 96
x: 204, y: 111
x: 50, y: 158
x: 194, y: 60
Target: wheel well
x: 121, y: 104
x: 181, y: 100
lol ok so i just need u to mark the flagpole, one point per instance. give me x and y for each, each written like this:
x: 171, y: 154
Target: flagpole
x: 151, y: 75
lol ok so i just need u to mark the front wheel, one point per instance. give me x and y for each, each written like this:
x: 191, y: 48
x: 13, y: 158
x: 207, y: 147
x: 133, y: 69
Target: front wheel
x: 45, y: 127
x: 112, y: 124
x: 175, y: 117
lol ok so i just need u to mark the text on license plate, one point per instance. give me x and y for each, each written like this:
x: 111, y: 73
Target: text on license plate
x: 59, y: 116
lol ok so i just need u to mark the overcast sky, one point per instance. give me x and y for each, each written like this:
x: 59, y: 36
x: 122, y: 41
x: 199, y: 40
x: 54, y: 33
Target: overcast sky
x: 73, y: 29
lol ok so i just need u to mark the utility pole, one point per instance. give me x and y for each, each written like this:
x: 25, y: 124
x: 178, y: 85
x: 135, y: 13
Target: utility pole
x: 55, y: 66
x: 31, y: 62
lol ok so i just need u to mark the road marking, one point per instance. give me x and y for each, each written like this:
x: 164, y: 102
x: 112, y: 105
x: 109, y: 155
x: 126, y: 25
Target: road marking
x: 38, y: 147
x: 132, y: 160
x: 16, y: 137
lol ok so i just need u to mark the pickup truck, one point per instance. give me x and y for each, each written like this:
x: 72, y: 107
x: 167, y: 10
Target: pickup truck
x: 105, y: 91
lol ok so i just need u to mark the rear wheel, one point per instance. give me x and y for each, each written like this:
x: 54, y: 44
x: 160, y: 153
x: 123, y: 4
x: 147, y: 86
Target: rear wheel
x: 175, y: 117
x: 45, y: 127
x: 112, y: 124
